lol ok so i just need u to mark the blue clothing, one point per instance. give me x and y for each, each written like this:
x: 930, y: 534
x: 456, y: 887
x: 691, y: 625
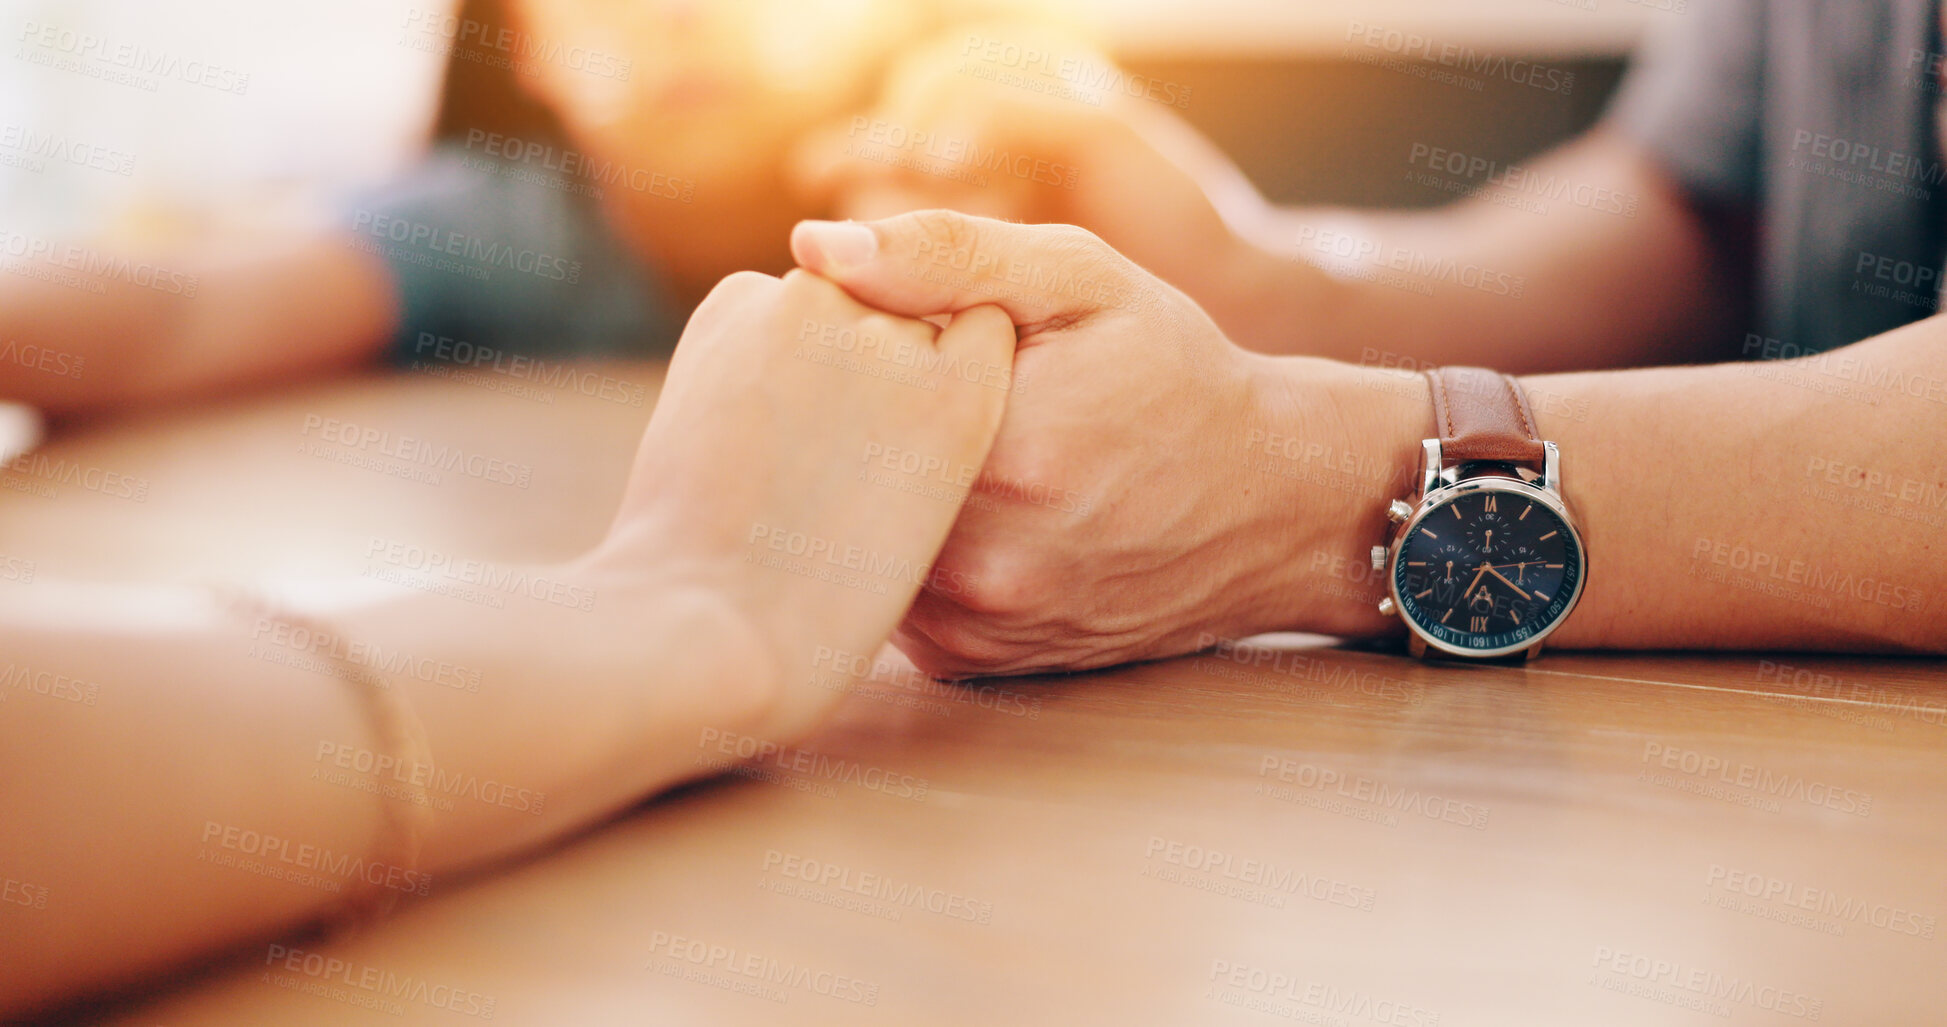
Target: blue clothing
x: 511, y: 259
x: 1818, y: 117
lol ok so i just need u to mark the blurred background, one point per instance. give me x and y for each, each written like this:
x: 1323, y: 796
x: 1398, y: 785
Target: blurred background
x: 202, y: 197
x: 323, y: 98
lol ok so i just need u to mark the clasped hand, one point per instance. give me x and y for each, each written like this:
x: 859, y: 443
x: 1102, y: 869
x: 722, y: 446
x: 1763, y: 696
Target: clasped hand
x: 1129, y: 507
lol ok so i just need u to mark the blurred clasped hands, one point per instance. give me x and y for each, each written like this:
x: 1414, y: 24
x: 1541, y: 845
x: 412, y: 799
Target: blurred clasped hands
x: 1037, y: 143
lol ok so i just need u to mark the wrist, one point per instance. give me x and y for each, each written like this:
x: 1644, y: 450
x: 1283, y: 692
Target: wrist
x: 1334, y: 443
x: 693, y: 652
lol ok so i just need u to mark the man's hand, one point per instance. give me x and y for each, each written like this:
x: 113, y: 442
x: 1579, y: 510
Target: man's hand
x: 1034, y: 147
x: 1146, y: 490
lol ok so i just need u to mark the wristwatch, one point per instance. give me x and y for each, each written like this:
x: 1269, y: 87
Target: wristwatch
x: 1488, y: 562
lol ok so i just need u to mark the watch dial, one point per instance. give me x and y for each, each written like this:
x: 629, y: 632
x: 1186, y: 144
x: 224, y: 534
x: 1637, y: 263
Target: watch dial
x: 1487, y: 570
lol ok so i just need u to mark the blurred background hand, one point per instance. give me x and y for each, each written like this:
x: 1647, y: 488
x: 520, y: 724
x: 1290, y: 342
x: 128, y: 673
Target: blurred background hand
x: 1040, y: 146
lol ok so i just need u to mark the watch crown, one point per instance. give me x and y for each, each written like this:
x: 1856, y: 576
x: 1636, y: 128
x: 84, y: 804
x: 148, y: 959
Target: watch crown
x: 1398, y: 510
x: 1379, y: 558
x: 1386, y: 607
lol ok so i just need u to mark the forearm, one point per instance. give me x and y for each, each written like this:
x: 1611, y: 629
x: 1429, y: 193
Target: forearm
x: 1588, y: 259
x: 84, y: 329
x: 75, y: 343
x: 1784, y: 505
x: 213, y: 775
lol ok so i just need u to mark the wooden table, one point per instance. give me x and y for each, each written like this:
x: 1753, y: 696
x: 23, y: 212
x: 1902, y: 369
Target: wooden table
x: 1258, y: 835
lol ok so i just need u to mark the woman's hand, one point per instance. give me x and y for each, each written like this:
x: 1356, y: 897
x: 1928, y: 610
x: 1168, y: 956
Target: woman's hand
x: 771, y: 475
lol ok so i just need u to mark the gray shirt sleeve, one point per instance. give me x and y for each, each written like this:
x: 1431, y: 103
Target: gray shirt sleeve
x: 490, y: 253
x: 1694, y: 97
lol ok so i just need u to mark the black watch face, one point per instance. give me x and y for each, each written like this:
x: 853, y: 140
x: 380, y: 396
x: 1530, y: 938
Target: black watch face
x: 1488, y: 570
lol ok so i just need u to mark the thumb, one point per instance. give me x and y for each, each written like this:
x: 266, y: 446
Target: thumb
x: 940, y: 261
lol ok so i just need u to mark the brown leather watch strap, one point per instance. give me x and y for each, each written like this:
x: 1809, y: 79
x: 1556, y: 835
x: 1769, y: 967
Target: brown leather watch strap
x: 1483, y: 415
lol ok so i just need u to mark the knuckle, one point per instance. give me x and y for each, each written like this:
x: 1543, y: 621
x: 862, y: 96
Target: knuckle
x: 941, y: 230
x: 1073, y: 235
x: 808, y: 295
x: 803, y: 286
x: 994, y: 583
x: 736, y: 292
x: 1078, y: 243
x: 745, y: 283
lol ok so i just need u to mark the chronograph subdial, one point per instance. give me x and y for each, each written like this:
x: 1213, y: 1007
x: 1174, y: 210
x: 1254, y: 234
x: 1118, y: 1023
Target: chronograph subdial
x: 1440, y: 574
x: 1518, y: 562
x: 1488, y: 533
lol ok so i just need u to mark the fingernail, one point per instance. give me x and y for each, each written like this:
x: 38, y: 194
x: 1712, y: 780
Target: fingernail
x: 840, y: 245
